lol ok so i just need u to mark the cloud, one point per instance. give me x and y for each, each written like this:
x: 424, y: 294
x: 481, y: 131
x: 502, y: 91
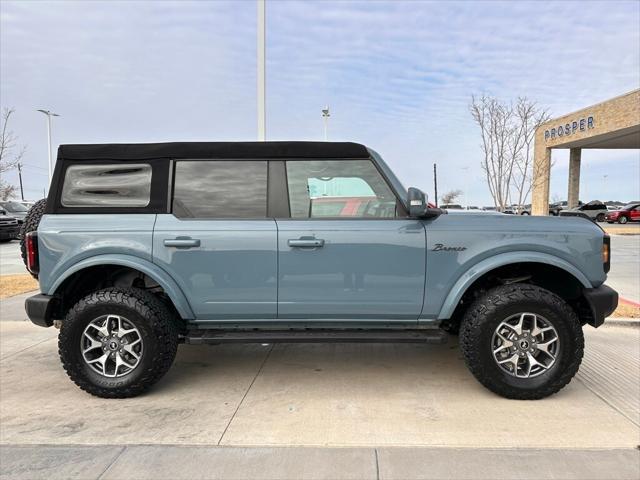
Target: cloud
x: 396, y: 75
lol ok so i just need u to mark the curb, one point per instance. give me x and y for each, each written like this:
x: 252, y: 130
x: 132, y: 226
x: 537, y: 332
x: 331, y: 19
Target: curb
x: 623, y: 321
x: 626, y: 301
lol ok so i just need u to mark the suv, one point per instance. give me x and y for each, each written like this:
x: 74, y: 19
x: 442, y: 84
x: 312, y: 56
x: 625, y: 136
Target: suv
x: 9, y: 226
x: 16, y: 209
x: 142, y: 247
x: 595, y: 210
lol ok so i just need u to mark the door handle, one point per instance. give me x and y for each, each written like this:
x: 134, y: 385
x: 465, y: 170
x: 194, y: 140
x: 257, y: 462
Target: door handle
x: 305, y: 242
x: 182, y: 242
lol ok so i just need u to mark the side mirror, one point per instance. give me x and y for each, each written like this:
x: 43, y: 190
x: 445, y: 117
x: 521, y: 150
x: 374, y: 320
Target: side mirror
x: 417, y: 201
x: 419, y: 206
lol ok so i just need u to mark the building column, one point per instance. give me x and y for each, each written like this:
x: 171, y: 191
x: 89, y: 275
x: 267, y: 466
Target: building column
x: 540, y: 180
x: 573, y: 195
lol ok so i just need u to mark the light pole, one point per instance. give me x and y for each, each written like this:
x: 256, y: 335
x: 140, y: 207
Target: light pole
x: 49, y: 114
x: 262, y: 108
x: 325, y: 117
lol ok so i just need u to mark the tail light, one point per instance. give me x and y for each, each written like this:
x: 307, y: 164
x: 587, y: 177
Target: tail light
x: 31, y: 243
x: 606, y: 252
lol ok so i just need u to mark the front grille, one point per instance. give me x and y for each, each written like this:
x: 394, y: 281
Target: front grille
x: 10, y: 221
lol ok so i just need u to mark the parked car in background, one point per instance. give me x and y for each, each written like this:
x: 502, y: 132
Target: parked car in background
x: 451, y: 206
x: 9, y: 227
x: 595, y: 210
x: 16, y: 209
x: 613, y: 208
x: 628, y: 213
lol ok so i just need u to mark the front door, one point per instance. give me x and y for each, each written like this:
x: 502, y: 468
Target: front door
x: 345, y: 254
x: 218, y: 243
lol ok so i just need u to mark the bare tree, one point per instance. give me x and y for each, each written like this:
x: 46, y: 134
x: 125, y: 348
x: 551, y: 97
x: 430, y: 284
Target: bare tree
x: 528, y: 117
x: 450, y: 196
x: 10, y: 154
x: 507, y: 132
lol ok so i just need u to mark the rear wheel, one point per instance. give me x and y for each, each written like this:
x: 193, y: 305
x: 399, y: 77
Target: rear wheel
x: 600, y: 217
x: 622, y: 219
x: 522, y: 341
x: 116, y: 342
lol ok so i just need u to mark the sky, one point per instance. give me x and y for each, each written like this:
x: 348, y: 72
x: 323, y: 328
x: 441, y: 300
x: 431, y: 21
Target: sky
x: 397, y: 76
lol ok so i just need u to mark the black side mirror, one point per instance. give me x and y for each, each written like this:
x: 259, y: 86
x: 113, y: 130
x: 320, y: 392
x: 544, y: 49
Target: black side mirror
x: 419, y: 205
x: 417, y: 201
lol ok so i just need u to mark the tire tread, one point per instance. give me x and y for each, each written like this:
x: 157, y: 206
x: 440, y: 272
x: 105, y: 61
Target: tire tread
x: 162, y: 323
x: 485, y: 307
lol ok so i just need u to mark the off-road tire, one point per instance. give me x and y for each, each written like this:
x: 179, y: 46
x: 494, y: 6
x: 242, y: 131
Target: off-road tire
x: 484, y: 315
x: 30, y: 224
x: 157, y: 325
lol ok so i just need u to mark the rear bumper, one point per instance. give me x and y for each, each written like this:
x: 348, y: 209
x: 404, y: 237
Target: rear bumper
x: 602, y: 301
x: 40, y: 309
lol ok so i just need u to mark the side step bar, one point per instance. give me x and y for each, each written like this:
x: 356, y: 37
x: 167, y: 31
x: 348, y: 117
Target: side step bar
x: 211, y: 336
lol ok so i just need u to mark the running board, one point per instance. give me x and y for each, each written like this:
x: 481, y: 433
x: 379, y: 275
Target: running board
x: 210, y: 336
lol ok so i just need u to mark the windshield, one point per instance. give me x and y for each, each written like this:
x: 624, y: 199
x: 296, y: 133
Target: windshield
x: 629, y: 206
x: 15, y: 207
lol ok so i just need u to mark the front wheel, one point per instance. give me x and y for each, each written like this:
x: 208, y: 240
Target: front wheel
x: 522, y: 341
x: 116, y: 342
x: 623, y: 219
x: 600, y: 217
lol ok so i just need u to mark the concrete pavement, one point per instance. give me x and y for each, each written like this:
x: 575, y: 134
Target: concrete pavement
x: 319, y: 395
x: 318, y: 411
x: 280, y: 463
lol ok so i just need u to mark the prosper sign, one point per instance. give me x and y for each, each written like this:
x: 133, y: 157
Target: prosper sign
x: 569, y: 128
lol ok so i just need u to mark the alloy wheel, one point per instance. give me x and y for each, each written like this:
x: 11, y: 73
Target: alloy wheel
x: 111, y: 345
x: 525, y: 345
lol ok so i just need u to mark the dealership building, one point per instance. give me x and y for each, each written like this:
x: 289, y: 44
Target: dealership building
x: 610, y: 124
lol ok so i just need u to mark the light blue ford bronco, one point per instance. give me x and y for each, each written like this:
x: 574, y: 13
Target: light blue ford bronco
x: 140, y: 247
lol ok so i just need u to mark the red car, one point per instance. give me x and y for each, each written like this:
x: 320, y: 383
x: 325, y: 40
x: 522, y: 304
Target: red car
x: 628, y: 213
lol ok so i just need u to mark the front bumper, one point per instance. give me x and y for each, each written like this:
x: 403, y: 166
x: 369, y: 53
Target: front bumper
x: 602, y: 301
x: 40, y: 309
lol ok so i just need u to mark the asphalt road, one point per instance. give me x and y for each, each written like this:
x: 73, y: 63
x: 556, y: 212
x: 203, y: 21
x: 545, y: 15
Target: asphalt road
x: 624, y: 275
x: 10, y: 260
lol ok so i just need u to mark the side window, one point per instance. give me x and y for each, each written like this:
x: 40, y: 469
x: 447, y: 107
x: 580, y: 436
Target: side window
x: 338, y: 188
x: 117, y: 185
x: 220, y: 189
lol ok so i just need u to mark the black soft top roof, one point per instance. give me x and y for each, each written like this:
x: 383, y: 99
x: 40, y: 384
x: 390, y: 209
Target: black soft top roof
x: 145, y: 151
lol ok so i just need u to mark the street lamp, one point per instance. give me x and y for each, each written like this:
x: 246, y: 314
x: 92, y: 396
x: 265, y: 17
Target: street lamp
x: 49, y: 114
x: 325, y: 117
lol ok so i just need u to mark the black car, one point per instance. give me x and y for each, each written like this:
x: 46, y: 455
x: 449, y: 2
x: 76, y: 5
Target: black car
x: 9, y: 227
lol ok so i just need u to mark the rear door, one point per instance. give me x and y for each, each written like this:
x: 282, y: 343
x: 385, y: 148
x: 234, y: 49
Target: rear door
x: 346, y: 253
x: 218, y: 243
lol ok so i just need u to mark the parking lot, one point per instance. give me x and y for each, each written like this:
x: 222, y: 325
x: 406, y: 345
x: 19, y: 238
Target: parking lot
x: 321, y: 410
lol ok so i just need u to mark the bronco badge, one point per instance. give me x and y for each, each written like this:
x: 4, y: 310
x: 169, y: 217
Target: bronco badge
x: 439, y: 247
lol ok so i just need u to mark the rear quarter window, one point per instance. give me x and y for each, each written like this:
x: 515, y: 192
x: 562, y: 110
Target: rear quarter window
x: 108, y: 185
